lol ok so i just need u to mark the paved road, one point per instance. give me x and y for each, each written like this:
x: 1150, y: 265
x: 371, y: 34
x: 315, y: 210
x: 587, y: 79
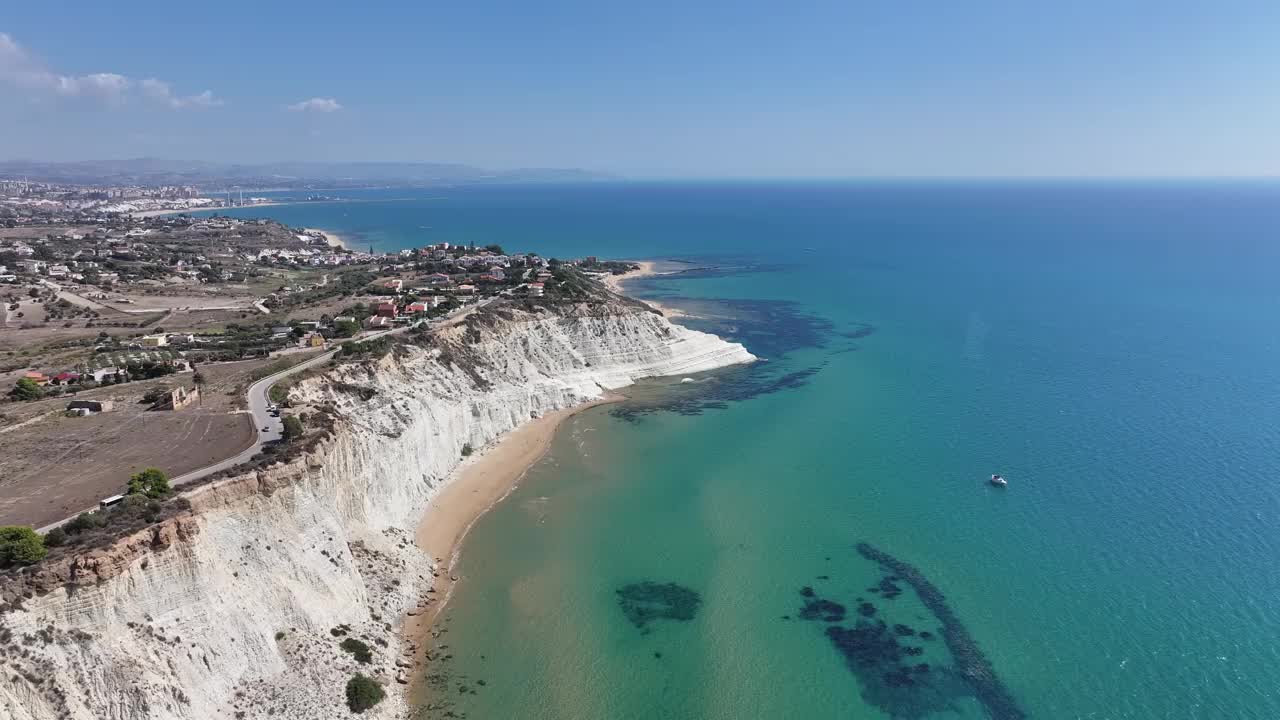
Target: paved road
x: 270, y: 428
x: 259, y: 401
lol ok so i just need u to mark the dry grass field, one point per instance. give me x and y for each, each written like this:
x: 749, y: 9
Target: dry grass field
x: 60, y: 465
x: 53, y: 465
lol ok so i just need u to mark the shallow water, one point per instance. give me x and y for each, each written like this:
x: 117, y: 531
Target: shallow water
x: 1111, y: 349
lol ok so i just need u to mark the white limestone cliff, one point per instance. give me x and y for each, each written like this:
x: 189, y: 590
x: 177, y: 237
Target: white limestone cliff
x: 230, y: 610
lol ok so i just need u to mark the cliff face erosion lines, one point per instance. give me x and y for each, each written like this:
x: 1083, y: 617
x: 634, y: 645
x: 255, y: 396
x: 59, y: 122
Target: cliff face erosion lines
x: 233, y: 607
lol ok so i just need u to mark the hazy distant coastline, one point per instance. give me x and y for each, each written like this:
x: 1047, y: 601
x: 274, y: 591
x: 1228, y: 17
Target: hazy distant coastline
x: 286, y: 176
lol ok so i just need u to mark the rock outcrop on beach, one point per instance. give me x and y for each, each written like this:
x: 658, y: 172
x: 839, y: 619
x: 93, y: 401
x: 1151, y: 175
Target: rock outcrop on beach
x: 237, y: 608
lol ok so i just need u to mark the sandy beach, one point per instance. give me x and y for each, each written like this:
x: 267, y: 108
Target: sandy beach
x: 481, y: 482
x: 647, y: 269
x: 334, y: 239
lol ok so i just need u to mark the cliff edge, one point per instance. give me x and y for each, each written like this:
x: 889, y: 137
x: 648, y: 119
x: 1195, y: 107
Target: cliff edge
x: 236, y: 607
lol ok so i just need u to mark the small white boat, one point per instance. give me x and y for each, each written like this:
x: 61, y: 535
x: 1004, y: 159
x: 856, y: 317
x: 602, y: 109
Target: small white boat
x: 999, y: 481
x: 687, y: 380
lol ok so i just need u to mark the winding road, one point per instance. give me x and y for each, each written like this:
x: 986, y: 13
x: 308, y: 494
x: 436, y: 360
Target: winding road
x: 259, y: 402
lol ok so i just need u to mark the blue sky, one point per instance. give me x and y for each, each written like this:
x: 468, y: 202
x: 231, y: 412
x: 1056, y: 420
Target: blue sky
x: 656, y: 89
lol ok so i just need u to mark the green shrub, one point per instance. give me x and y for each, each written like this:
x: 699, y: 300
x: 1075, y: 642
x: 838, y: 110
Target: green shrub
x: 27, y: 389
x: 346, y: 328
x: 358, y: 650
x: 83, y: 522
x: 292, y: 427
x: 373, y: 349
x: 20, y: 545
x: 151, y: 482
x: 279, y: 393
x: 363, y: 693
x: 55, y: 537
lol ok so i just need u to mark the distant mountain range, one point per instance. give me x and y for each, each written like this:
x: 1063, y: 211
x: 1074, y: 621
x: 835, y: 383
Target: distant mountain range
x: 212, y: 175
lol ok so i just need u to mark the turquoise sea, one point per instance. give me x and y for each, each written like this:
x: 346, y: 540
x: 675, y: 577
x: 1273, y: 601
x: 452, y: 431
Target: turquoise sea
x: 1111, y: 348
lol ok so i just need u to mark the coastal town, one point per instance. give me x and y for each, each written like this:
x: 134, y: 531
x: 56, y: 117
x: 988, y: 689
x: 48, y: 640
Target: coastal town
x: 134, y: 338
x: 23, y: 200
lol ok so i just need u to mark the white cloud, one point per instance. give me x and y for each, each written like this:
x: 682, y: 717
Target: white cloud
x: 19, y: 69
x: 160, y: 91
x: 317, y: 104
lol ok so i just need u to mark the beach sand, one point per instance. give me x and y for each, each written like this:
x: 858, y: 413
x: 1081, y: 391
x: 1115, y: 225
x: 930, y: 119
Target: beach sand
x: 481, y: 482
x: 334, y: 239
x: 647, y: 269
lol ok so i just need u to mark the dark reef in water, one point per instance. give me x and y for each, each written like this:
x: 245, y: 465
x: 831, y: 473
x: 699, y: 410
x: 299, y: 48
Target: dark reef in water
x: 887, y: 588
x: 825, y: 610
x: 971, y: 665
x: 888, y: 675
x: 886, y: 661
x: 771, y: 329
x: 647, y: 601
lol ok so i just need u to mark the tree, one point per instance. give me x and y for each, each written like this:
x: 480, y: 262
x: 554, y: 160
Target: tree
x: 20, y: 545
x: 27, y: 389
x: 346, y: 328
x: 151, y: 482
x: 292, y: 428
x: 363, y: 693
